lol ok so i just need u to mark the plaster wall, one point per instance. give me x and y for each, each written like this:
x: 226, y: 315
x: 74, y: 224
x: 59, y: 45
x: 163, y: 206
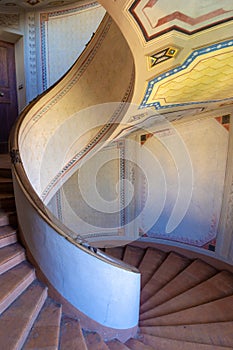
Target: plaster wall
x: 206, y: 141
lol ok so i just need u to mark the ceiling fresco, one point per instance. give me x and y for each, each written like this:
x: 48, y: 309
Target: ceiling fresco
x: 204, y: 77
x: 21, y: 5
x: 156, y: 17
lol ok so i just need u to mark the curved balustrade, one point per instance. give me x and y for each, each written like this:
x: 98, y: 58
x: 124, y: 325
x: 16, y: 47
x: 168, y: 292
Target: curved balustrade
x: 44, y: 151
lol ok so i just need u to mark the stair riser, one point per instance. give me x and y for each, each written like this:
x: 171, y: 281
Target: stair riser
x: 8, y: 240
x: 6, y: 173
x: 8, y: 219
x: 6, y: 187
x: 12, y: 262
x: 17, y: 291
x: 7, y: 204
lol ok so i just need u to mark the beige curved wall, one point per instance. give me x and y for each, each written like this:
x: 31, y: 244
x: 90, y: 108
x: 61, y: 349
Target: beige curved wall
x: 102, y: 74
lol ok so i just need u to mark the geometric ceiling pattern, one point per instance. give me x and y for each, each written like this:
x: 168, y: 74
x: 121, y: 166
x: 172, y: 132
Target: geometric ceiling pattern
x: 157, y: 17
x: 20, y: 5
x: 205, y: 76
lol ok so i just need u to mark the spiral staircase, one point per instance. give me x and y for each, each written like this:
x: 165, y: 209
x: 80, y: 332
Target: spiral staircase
x: 186, y: 303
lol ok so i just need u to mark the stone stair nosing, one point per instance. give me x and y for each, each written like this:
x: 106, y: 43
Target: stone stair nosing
x: 46, y: 329
x: 220, y: 334
x: 6, y: 185
x: 217, y: 287
x: 94, y: 341
x: 71, y: 335
x: 11, y: 256
x: 13, y: 282
x: 170, y: 268
x: 194, y: 274
x: 116, y: 252
x: 135, y: 344
x: 133, y: 255
x: 7, y: 235
x: 16, y: 322
x: 115, y: 344
x: 171, y: 344
x: 220, y: 310
x: 8, y: 218
x: 152, y: 259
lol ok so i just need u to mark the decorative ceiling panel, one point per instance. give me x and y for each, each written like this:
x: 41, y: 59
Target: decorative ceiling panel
x: 156, y: 17
x: 206, y: 76
x: 20, y: 5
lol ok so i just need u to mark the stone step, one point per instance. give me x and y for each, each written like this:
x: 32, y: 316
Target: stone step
x: 135, y: 344
x: 216, y: 287
x: 46, y: 329
x: 158, y: 343
x: 7, y: 236
x: 71, y: 336
x: 5, y: 172
x: 220, y: 334
x: 8, y: 218
x: 17, y: 321
x: 197, y: 272
x: 133, y: 255
x: 170, y: 268
x: 11, y: 256
x: 115, y: 344
x: 14, y: 282
x: 94, y: 341
x: 7, y: 201
x: 6, y: 185
x: 116, y: 252
x: 152, y: 259
x: 220, y: 310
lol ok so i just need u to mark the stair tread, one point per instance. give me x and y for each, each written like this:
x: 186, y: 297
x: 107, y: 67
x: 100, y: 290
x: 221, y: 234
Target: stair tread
x: 5, y: 179
x: 133, y: 255
x: 116, y: 252
x: 198, y: 271
x: 6, y: 231
x: 115, y: 344
x: 45, y: 331
x: 220, y: 333
x: 150, y: 263
x: 8, y: 218
x: 17, y: 320
x: 135, y: 344
x: 220, y: 310
x: 9, y: 252
x: 171, y: 267
x: 71, y: 335
x: 216, y: 287
x: 13, y: 282
x: 95, y: 342
x: 6, y: 195
x: 171, y: 344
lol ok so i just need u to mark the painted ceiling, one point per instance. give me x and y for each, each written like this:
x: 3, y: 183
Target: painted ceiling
x: 21, y: 5
x: 183, y: 52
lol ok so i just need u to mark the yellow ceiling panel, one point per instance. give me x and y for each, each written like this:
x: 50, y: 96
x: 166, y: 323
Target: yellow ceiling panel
x: 210, y: 78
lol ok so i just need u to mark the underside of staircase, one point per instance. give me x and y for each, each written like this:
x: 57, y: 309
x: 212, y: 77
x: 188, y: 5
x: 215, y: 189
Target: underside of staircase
x: 186, y: 304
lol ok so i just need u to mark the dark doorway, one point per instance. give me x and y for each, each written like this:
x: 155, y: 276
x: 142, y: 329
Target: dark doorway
x: 8, y: 93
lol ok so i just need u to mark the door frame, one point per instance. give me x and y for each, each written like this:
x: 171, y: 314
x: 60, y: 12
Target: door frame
x: 18, y: 41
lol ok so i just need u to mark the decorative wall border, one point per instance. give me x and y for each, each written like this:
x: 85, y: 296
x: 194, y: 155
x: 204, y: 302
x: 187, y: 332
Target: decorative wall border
x: 72, y: 81
x: 183, y: 66
x: 95, y: 140
x: 44, y: 18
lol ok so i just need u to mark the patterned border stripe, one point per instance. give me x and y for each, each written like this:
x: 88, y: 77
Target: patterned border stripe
x: 44, y: 17
x: 96, y: 139
x: 183, y: 66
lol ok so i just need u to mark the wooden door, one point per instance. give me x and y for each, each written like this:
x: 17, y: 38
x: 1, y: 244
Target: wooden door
x: 8, y: 93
